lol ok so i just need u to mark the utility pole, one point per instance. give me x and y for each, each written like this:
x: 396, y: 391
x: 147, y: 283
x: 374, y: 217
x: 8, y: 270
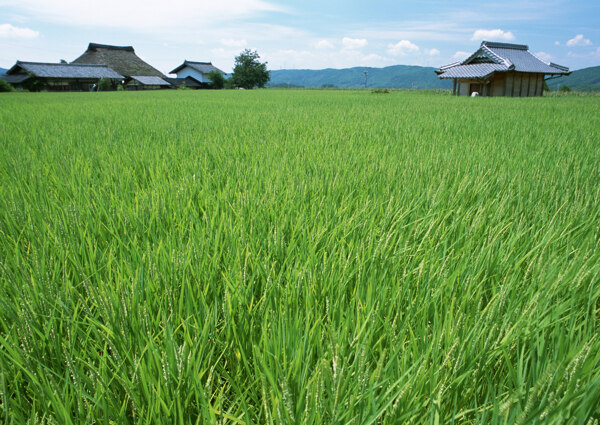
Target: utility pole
x: 366, y: 72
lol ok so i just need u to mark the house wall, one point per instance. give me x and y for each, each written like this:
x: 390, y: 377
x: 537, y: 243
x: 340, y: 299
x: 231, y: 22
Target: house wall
x: 523, y: 84
x: 68, y: 84
x: 498, y: 85
x: 189, y: 72
x: 464, y: 85
x: 510, y: 84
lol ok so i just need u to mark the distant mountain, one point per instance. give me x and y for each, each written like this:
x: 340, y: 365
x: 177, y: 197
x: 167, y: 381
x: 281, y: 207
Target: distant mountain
x: 405, y: 76
x: 397, y: 76
x: 586, y: 79
x: 3, y: 71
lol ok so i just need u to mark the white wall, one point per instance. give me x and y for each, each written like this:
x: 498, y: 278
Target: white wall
x: 189, y: 72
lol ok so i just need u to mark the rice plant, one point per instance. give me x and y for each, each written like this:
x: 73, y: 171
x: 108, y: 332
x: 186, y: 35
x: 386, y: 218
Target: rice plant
x: 299, y: 257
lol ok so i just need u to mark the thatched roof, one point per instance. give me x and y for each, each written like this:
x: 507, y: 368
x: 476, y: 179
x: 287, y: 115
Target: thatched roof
x: 120, y: 58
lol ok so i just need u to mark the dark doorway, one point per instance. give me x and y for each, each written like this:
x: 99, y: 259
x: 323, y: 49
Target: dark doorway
x: 475, y: 87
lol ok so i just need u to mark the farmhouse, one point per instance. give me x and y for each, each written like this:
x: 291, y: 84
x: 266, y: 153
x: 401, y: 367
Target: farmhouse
x: 198, y: 70
x: 124, y: 61
x: 59, y: 76
x: 500, y: 69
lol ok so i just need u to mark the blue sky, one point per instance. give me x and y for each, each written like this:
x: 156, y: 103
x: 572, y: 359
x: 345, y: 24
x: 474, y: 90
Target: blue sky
x: 311, y: 34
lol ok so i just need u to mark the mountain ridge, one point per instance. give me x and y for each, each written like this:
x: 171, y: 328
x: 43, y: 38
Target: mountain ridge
x: 586, y: 79
x: 403, y: 77
x: 395, y: 76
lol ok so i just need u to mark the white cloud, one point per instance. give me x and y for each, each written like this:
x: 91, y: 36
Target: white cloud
x: 372, y: 58
x: 579, y: 40
x: 496, y: 34
x: 341, y: 58
x: 432, y: 52
x: 142, y: 15
x: 231, y: 42
x: 402, y: 48
x: 354, y: 43
x: 9, y: 31
x: 557, y: 43
x: 546, y: 57
x: 460, y: 55
x: 324, y: 44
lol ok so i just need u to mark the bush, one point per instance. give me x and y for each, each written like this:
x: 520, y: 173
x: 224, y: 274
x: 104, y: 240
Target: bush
x: 5, y: 86
x: 104, y: 84
x: 217, y: 81
x: 380, y: 91
x: 565, y: 89
x: 229, y: 84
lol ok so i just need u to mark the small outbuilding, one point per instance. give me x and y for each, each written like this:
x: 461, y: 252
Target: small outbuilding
x: 187, y: 82
x: 59, y: 76
x: 501, y: 69
x: 198, y: 70
x: 141, y: 82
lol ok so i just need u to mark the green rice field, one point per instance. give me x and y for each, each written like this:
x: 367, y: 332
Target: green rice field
x: 299, y: 257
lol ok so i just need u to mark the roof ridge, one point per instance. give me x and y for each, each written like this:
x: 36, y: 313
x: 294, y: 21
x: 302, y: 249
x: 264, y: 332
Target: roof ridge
x: 64, y: 64
x: 562, y: 68
x: 94, y: 46
x: 541, y: 60
x: 504, y: 60
x: 501, y: 45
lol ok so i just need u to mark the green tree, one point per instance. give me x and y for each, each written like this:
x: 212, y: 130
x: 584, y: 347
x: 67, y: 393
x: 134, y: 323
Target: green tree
x: 5, y: 87
x: 217, y: 81
x: 546, y: 87
x: 249, y: 72
x: 565, y: 89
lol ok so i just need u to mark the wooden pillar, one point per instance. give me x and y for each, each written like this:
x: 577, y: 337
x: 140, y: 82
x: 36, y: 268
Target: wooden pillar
x: 454, y: 87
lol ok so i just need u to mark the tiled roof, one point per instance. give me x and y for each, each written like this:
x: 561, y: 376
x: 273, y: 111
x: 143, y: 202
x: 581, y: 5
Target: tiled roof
x: 64, y: 70
x: 476, y: 70
x: 150, y: 81
x: 187, y: 81
x: 524, y: 61
x: 499, y: 57
x: 202, y: 67
x: 14, y: 79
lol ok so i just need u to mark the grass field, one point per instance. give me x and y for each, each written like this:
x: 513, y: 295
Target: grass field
x: 299, y: 257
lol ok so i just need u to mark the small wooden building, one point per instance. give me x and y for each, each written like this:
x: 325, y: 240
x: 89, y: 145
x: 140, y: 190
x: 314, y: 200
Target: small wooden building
x: 140, y: 82
x: 500, y: 69
x: 198, y: 70
x: 59, y: 76
x: 187, y: 82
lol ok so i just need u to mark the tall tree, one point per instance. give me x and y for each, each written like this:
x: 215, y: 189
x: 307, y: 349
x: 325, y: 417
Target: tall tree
x: 249, y: 72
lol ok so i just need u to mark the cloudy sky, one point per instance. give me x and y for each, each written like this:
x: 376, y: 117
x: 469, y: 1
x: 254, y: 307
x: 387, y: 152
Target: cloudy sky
x: 311, y: 34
